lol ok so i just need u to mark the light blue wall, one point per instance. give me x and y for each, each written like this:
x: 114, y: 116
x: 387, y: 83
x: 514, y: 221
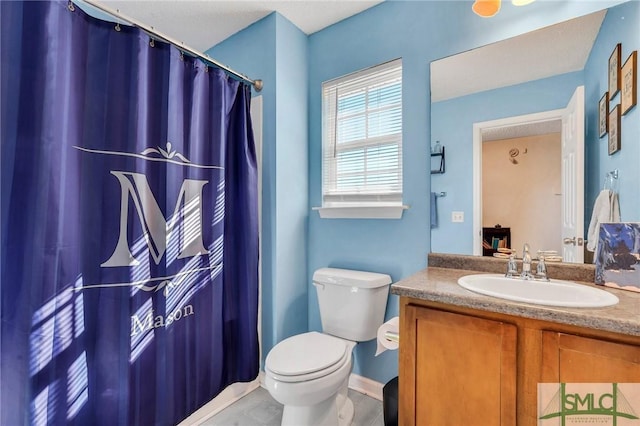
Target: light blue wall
x: 452, y: 124
x: 416, y: 31
x: 615, y: 29
x: 273, y: 44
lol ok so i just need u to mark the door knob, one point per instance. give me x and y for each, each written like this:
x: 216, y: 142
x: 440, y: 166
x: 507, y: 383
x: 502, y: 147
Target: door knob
x: 574, y: 241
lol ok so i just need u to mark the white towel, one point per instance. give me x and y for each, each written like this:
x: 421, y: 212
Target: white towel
x: 605, y: 210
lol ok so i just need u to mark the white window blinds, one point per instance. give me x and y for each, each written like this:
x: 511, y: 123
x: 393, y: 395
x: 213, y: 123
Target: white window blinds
x: 362, y: 137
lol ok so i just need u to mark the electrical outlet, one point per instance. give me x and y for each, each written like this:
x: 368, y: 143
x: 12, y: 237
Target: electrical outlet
x: 457, y: 216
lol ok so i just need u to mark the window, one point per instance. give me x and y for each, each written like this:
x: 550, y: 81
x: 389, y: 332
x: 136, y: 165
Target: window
x: 362, y: 138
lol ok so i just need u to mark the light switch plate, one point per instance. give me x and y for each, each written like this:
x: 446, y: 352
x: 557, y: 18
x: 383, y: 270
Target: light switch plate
x: 457, y: 216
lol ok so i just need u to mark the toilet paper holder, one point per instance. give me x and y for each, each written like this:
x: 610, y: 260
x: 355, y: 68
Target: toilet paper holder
x: 392, y: 336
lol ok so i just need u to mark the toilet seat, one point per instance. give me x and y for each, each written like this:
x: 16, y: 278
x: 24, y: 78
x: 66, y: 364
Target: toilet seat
x: 306, y: 357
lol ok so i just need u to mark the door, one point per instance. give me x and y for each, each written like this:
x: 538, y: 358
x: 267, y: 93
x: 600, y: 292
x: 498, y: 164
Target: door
x: 573, y: 179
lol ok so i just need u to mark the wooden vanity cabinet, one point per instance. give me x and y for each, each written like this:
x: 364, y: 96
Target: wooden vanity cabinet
x: 460, y: 366
x: 575, y: 359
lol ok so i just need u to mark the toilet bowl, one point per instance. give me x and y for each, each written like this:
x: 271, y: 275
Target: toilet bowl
x: 308, y: 374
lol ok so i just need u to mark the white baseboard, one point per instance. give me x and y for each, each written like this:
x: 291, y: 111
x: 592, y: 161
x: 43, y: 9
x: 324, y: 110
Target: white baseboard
x: 366, y: 386
x: 225, y: 398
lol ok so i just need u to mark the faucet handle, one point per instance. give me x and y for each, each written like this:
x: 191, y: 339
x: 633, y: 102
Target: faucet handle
x: 541, y: 269
x: 512, y: 267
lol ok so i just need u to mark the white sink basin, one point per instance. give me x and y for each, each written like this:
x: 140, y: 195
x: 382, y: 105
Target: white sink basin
x: 553, y: 293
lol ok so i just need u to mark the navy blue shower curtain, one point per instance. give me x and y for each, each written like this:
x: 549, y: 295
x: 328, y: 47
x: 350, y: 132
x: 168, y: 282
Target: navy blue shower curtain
x: 129, y: 253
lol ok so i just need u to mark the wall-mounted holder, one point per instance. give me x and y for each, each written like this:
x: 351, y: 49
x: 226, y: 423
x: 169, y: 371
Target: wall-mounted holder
x: 439, y: 165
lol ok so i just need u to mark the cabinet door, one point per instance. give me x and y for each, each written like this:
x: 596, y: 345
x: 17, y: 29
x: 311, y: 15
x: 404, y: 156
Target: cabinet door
x: 456, y: 370
x: 575, y: 359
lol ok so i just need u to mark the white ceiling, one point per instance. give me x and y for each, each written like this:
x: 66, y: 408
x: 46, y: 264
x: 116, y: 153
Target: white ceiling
x: 522, y: 130
x: 204, y: 23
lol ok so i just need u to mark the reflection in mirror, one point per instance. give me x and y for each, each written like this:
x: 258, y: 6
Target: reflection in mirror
x: 524, y: 162
x: 499, y: 111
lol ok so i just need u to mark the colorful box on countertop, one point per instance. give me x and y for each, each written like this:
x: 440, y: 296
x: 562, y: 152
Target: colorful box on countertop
x: 618, y: 256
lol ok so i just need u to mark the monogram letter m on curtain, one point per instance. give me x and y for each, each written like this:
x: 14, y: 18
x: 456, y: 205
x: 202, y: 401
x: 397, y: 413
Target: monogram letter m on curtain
x: 129, y: 224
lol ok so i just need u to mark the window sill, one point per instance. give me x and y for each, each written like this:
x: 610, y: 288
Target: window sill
x: 361, y: 212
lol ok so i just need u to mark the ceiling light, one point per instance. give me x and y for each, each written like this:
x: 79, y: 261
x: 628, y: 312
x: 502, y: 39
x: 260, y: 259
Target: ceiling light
x: 521, y: 2
x: 486, y: 8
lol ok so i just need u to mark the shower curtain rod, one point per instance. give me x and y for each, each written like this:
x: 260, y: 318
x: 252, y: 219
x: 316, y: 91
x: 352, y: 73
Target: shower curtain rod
x: 257, y: 84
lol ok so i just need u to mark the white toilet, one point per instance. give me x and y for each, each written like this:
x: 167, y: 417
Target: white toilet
x: 309, y: 373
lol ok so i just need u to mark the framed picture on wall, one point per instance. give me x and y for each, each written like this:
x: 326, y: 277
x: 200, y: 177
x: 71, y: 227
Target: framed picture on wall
x: 614, y: 130
x: 603, y: 115
x: 628, y: 98
x: 614, y: 71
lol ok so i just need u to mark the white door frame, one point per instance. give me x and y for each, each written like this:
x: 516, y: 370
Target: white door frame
x: 478, y: 128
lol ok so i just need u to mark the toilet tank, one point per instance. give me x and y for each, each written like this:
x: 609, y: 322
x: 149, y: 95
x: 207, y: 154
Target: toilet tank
x: 352, y: 303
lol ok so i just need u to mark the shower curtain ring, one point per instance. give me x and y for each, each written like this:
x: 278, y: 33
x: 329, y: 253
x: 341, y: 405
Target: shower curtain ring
x: 70, y: 6
x: 117, y: 27
x: 152, y: 42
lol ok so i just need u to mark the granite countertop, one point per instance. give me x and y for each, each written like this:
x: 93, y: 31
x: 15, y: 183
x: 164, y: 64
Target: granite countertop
x: 440, y: 284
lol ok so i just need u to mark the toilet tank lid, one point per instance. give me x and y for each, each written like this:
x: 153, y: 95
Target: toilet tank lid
x: 349, y: 277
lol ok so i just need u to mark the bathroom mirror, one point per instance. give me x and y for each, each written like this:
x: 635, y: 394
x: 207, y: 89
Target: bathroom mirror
x: 510, y: 97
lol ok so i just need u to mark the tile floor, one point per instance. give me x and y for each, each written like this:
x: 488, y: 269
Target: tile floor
x: 259, y: 409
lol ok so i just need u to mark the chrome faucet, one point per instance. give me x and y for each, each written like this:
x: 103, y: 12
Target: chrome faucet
x: 541, y: 267
x: 526, y: 264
